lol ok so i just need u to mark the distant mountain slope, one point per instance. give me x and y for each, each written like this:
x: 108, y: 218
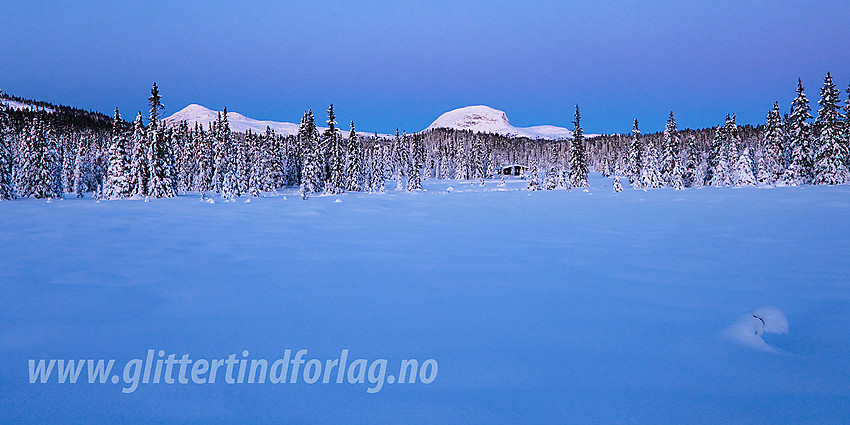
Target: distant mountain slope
x: 195, y: 113
x: 484, y: 119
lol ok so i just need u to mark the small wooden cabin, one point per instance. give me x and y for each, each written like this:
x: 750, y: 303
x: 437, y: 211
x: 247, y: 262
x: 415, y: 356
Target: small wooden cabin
x: 513, y: 170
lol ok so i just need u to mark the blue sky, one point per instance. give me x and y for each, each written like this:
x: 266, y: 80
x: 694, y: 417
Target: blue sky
x: 388, y: 64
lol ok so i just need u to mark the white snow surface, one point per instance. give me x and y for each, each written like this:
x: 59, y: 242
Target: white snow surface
x: 540, y: 307
x: 484, y: 119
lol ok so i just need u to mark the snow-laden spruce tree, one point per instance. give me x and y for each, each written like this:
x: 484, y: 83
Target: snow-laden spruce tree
x: 118, y: 173
x: 7, y: 184
x: 223, y: 162
x: 743, y: 174
x: 336, y: 177
x: 461, y: 162
x: 159, y: 155
x: 416, y: 157
x: 80, y: 184
x: 578, y: 157
x: 690, y: 175
x: 800, y: 169
x: 40, y: 178
x: 719, y: 172
x: 772, y: 157
x: 139, y: 169
x: 618, y: 186
x: 635, y: 157
x: 353, y: 163
x: 204, y: 156
x: 670, y: 158
x: 243, y: 162
x: 376, y: 181
x: 830, y: 165
x: 650, y: 175
x: 307, y: 137
x: 533, y: 177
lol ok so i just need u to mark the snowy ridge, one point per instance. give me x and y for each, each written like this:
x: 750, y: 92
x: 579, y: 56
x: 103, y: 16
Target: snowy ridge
x: 19, y: 106
x: 195, y: 113
x: 484, y: 119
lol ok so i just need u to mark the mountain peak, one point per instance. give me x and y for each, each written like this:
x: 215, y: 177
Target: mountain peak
x: 484, y: 119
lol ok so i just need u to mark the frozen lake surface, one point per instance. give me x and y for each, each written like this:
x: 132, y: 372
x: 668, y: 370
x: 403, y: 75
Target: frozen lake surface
x: 540, y: 307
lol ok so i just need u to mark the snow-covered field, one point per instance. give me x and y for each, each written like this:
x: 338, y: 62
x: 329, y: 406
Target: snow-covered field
x: 543, y: 307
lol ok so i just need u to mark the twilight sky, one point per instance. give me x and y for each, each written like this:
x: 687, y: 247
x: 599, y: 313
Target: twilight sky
x: 388, y: 64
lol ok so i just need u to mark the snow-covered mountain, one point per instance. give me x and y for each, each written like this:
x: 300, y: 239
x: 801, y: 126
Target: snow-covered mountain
x: 484, y: 119
x: 239, y: 123
x: 195, y: 113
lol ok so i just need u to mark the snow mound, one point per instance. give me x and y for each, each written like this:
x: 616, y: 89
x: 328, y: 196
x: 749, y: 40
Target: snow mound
x: 748, y: 330
x: 484, y: 119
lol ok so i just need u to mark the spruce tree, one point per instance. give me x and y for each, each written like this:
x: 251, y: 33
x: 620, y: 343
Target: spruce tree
x: 336, y: 177
x: 800, y: 170
x: 650, y: 175
x: 743, y: 175
x: 772, y: 157
x: 635, y: 157
x: 719, y: 164
x: 416, y: 157
x: 161, y: 184
x: 691, y: 176
x: 830, y: 165
x: 118, y: 174
x: 139, y: 169
x: 670, y: 163
x: 310, y: 168
x: 533, y: 178
x: 578, y: 158
x: 354, y: 163
x: 7, y: 186
x: 378, y: 184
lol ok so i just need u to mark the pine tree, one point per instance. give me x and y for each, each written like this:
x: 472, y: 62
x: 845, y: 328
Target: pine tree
x: 7, y: 187
x: 770, y: 166
x: 578, y: 157
x: 635, y: 157
x: 830, y: 165
x: 118, y: 174
x: 670, y: 163
x: 800, y: 170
